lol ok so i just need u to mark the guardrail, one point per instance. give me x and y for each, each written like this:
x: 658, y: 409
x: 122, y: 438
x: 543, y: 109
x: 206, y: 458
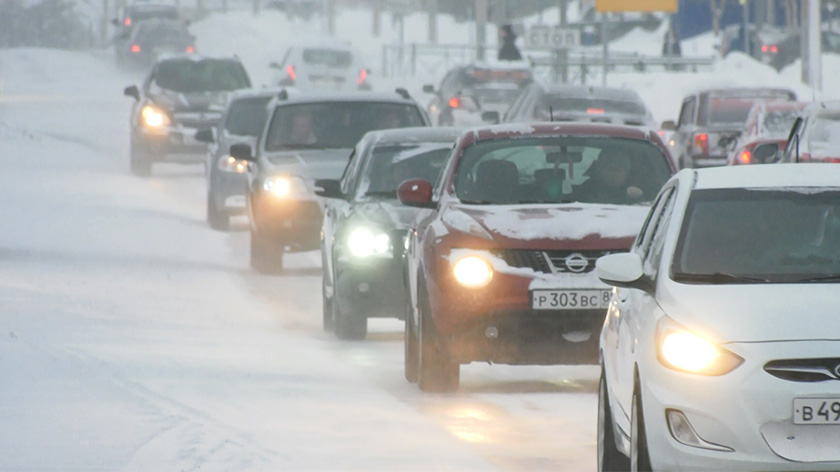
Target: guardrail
x: 580, y: 66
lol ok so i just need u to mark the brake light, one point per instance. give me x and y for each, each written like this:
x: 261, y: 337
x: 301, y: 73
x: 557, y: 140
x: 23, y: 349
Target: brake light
x: 362, y: 76
x: 454, y: 102
x: 745, y: 157
x: 290, y: 69
x: 128, y: 21
x: 190, y: 49
x: 774, y: 49
x: 135, y: 48
x: 764, y: 48
x: 701, y: 143
x: 595, y: 111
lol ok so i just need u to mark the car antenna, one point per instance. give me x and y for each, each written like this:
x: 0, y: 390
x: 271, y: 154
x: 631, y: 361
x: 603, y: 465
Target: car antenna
x: 551, y: 113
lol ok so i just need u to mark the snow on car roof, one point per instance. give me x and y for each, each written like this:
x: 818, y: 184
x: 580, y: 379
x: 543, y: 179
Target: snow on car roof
x: 416, y: 135
x: 558, y: 128
x: 769, y: 176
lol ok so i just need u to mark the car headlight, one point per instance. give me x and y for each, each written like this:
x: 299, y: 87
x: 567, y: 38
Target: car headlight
x: 364, y: 242
x: 472, y: 272
x: 680, y: 349
x: 284, y: 186
x: 232, y: 164
x: 153, y: 117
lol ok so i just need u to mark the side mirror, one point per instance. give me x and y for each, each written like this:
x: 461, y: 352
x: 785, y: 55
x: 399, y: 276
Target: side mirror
x: 416, y: 193
x: 428, y: 88
x: 767, y: 153
x: 132, y: 92
x: 275, y: 65
x: 242, y: 152
x: 491, y: 117
x: 726, y: 141
x: 621, y: 270
x: 329, y: 188
x: 205, y: 136
x: 669, y: 125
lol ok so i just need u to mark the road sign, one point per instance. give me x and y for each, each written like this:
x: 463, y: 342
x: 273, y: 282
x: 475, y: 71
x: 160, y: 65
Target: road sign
x: 552, y: 37
x: 605, y: 6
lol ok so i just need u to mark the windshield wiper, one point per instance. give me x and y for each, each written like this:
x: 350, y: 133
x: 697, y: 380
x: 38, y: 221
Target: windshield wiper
x: 717, y: 278
x: 821, y: 278
x: 382, y: 193
x: 477, y: 202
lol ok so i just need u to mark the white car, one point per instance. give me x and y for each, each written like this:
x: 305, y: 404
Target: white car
x: 328, y: 66
x: 721, y: 345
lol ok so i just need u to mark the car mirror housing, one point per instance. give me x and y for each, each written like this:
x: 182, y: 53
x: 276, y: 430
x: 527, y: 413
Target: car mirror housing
x: 416, y: 193
x: 133, y: 92
x: 621, y: 270
x: 242, y: 152
x: 205, y: 136
x: 328, y: 188
x: 767, y: 153
x: 490, y: 117
x: 669, y: 125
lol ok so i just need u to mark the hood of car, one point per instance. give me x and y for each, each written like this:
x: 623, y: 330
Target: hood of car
x: 387, y: 214
x: 754, y: 312
x: 212, y: 102
x: 561, y: 226
x: 312, y: 164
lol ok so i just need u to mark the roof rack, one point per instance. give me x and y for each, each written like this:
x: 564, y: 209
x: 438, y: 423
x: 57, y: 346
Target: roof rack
x: 403, y: 93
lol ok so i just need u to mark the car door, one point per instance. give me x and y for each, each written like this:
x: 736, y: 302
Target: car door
x: 336, y: 210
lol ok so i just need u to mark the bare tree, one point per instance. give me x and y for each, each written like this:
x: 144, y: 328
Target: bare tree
x: 718, y: 6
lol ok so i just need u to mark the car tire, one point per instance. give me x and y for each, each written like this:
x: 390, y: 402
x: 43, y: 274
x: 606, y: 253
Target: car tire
x: 139, y: 162
x: 218, y: 220
x: 329, y: 321
x: 349, y: 325
x: 639, y: 456
x: 266, y: 254
x: 609, y: 457
x: 411, y: 355
x: 436, y: 373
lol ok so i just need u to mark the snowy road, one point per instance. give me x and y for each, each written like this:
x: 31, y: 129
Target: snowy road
x: 133, y: 337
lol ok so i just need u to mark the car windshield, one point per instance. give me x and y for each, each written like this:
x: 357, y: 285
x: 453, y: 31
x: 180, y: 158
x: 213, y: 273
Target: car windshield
x: 196, y: 76
x: 390, y: 165
x: 560, y: 170
x: 592, y: 106
x: 322, y: 125
x: 336, y: 58
x: 780, y: 235
x: 246, y: 116
x: 824, y: 135
x: 778, y: 123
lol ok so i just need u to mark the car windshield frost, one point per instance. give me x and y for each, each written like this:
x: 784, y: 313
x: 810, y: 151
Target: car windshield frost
x: 324, y: 125
x: 824, y: 135
x: 189, y: 76
x: 559, y: 169
x: 390, y: 165
x: 744, y: 235
x: 246, y: 116
x: 778, y: 123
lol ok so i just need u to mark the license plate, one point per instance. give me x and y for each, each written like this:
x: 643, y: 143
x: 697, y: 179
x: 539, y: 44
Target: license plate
x: 569, y: 299
x: 816, y: 411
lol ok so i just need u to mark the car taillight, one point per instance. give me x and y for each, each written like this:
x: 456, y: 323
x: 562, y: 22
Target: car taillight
x: 291, y: 71
x: 362, y: 76
x: 595, y: 111
x: 135, y: 48
x: 454, y: 102
x: 774, y: 49
x: 701, y: 143
x: 128, y: 21
x: 764, y: 48
x: 190, y: 49
x: 745, y: 157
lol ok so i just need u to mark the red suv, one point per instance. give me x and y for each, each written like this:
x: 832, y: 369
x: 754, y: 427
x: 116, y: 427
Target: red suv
x: 499, y: 267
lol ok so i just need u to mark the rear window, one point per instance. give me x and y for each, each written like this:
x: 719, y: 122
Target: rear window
x: 729, y: 111
x: 247, y: 116
x: 209, y: 75
x: 592, y: 105
x: 148, y: 14
x: 479, y: 77
x: 328, y: 57
x: 163, y: 34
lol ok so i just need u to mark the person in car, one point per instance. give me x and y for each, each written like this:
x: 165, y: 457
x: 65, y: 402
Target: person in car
x: 302, y: 130
x: 609, y: 181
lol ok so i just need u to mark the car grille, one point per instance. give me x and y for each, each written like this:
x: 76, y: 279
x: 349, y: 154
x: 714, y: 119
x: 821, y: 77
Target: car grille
x: 552, y: 262
x: 197, y: 120
x: 805, y: 370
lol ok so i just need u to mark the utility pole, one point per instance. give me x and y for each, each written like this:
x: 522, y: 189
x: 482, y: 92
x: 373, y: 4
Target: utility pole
x: 331, y: 17
x: 480, y: 28
x: 747, y: 45
x: 105, y: 20
x: 377, y: 18
x: 812, y: 57
x: 433, y: 26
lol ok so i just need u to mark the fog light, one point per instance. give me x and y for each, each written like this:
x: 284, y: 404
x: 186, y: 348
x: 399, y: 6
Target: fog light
x: 684, y: 433
x: 491, y: 332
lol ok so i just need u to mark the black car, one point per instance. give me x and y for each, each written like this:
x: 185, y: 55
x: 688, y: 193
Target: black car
x: 227, y: 179
x: 137, y: 13
x: 363, y: 237
x: 180, y: 96
x: 308, y: 137
x: 153, y: 39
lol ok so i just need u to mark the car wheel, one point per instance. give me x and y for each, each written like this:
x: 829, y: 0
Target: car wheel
x: 349, y: 325
x: 266, y: 254
x: 609, y: 457
x: 218, y: 220
x: 139, y: 162
x: 410, y: 358
x: 328, y: 307
x: 436, y: 373
x: 639, y: 457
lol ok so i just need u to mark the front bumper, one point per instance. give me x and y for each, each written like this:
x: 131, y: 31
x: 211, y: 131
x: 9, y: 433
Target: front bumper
x: 296, y: 223
x: 373, y: 288
x: 228, y: 189
x: 747, y: 410
x: 174, y: 143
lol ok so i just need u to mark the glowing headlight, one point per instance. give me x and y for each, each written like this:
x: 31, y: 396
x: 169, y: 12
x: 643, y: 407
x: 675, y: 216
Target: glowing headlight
x: 682, y: 350
x: 153, y: 117
x: 363, y: 242
x: 231, y: 164
x: 284, y: 186
x: 473, y: 272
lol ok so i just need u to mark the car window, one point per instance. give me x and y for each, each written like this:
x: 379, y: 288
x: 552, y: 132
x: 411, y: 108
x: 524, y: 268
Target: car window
x: 335, y: 58
x: 208, y: 75
x: 777, y: 123
x: 823, y: 135
x: 780, y: 235
x: 653, y: 251
x: 390, y: 165
x: 325, y: 125
x: 559, y: 169
x: 353, y: 163
x: 647, y: 228
x: 687, y: 112
x: 592, y: 105
x: 247, y: 116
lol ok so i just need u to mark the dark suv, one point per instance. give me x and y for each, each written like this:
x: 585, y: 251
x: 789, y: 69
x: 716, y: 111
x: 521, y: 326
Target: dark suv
x: 308, y: 137
x: 180, y: 96
x: 711, y: 121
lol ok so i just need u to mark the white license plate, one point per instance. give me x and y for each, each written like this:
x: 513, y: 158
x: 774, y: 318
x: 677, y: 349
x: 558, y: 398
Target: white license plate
x: 569, y: 299
x: 816, y: 411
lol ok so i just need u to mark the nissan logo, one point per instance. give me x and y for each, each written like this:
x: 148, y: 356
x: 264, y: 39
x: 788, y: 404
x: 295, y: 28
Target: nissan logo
x: 577, y: 263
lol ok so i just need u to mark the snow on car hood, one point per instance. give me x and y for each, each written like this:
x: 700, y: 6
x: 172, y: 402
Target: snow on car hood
x: 561, y: 222
x: 754, y: 312
x: 311, y: 164
x: 387, y: 214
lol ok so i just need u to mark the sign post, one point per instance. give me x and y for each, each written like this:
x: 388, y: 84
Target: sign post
x: 557, y: 39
